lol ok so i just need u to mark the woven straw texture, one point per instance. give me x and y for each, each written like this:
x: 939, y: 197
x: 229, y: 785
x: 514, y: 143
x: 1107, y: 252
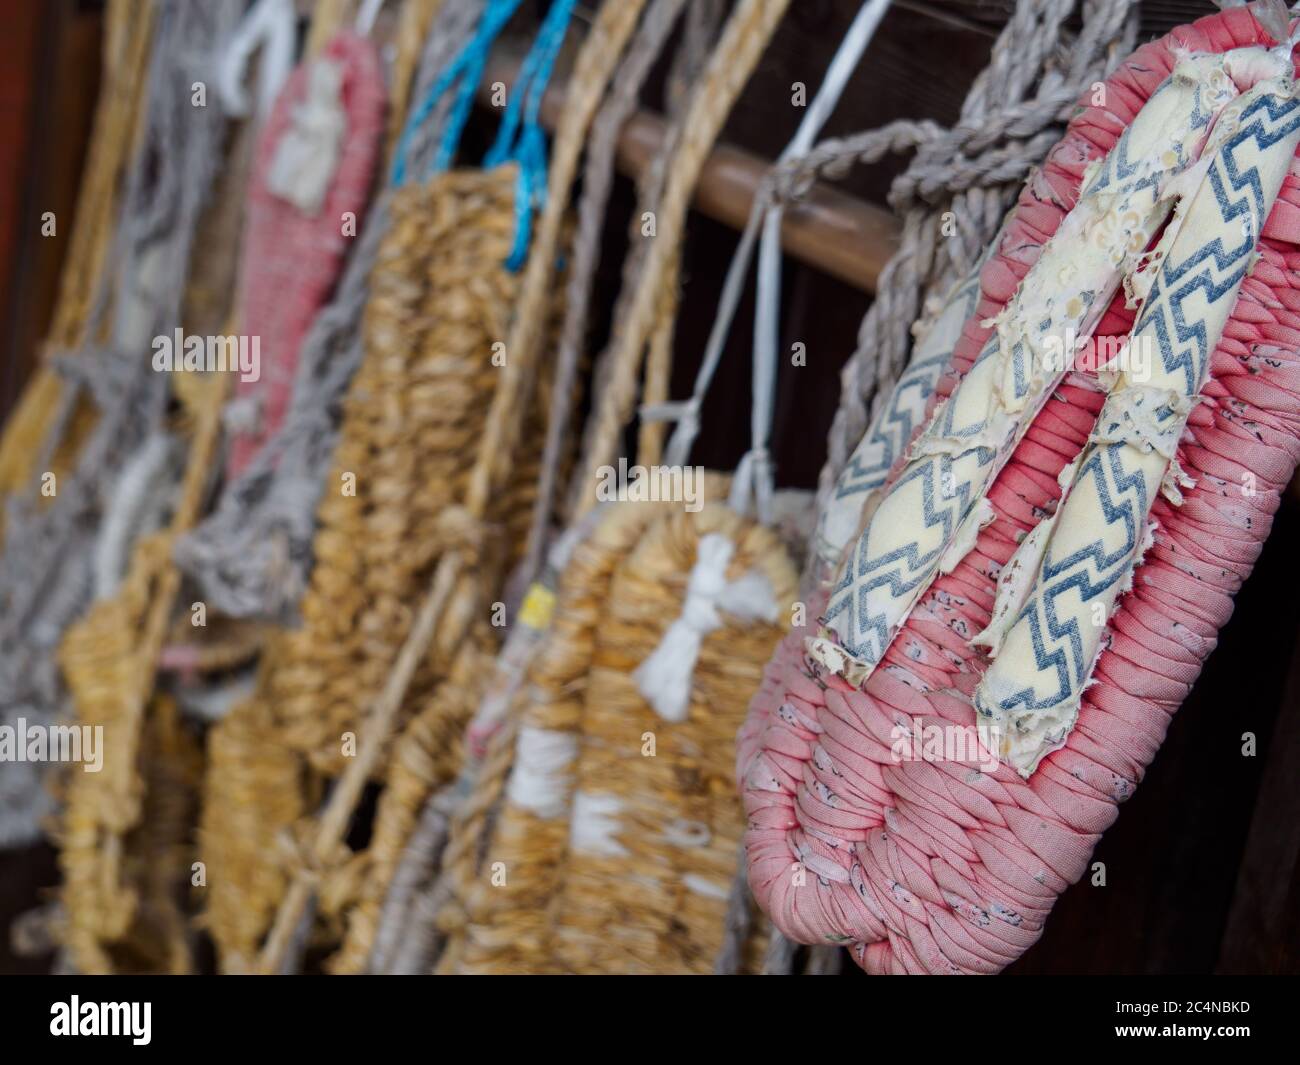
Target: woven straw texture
x: 659, y: 903
x: 413, y: 420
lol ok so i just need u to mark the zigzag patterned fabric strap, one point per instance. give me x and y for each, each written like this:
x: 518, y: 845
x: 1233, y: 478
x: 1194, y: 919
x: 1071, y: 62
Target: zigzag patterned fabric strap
x: 892, y: 428
x: 931, y: 514
x: 1031, y: 693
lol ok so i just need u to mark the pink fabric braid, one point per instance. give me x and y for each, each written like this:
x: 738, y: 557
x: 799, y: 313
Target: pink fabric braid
x: 936, y: 867
x: 290, y: 260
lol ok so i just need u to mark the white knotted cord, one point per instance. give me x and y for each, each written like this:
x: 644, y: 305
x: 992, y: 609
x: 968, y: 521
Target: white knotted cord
x: 665, y: 678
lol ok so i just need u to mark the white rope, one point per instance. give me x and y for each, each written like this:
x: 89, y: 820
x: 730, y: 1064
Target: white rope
x: 366, y: 16
x: 271, y: 26
x: 753, y: 480
x: 539, y: 780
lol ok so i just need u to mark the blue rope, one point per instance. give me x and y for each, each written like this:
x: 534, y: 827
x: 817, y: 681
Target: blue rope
x: 520, y: 139
x: 467, y: 69
x: 527, y: 145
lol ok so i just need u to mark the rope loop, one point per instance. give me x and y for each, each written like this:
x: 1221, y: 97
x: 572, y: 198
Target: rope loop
x: 463, y: 73
x: 521, y: 138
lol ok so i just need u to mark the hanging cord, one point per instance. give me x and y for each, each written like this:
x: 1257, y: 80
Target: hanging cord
x: 453, y: 29
x: 521, y: 138
x: 366, y: 15
x: 595, y: 64
x: 750, y: 27
x: 753, y: 480
x: 1014, y: 112
x: 656, y: 382
x: 650, y: 190
x: 270, y: 28
x: 463, y: 74
x: 415, y: 24
x: 666, y: 677
x: 597, y: 182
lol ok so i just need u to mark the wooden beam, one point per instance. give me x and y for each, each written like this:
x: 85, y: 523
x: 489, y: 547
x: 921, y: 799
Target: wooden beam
x: 841, y: 235
x: 834, y: 232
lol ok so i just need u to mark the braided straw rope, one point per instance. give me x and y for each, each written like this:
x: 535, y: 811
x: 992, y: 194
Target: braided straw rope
x: 597, y: 181
x: 747, y: 32
x: 127, y: 33
x: 426, y: 758
x: 659, y: 365
x: 471, y: 822
x: 108, y: 659
x: 452, y: 597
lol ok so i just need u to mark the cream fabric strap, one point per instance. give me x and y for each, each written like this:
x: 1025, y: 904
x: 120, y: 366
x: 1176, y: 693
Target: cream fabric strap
x: 930, y: 516
x: 1085, y: 561
x: 892, y: 426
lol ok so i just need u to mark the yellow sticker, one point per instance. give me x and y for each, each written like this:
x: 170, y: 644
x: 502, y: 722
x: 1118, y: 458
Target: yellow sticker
x: 537, y: 607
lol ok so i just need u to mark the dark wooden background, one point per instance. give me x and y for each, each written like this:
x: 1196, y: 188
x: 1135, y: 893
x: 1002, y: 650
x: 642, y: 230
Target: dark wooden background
x: 1201, y: 868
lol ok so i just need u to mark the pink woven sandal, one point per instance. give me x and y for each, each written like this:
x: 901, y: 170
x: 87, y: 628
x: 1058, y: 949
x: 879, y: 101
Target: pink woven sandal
x: 923, y: 863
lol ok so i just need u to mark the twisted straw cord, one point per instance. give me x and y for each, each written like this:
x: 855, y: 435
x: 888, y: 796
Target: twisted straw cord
x: 597, y: 181
x: 470, y: 824
x: 417, y: 17
x: 659, y: 365
x: 747, y: 32
x: 592, y: 72
x: 328, y: 17
x: 702, y: 32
